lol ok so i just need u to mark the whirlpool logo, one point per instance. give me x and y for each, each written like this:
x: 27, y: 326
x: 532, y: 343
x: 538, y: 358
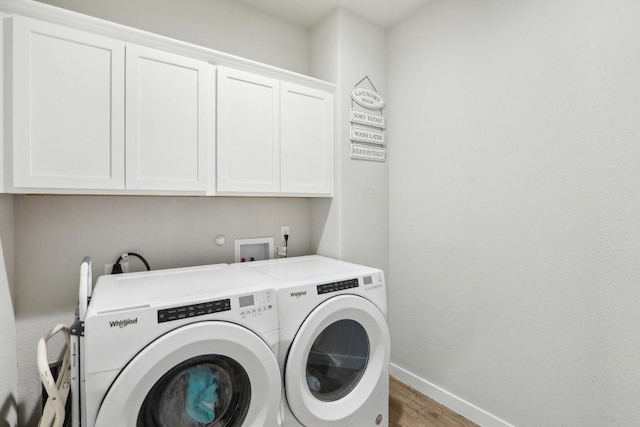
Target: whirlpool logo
x: 122, y: 323
x: 298, y: 294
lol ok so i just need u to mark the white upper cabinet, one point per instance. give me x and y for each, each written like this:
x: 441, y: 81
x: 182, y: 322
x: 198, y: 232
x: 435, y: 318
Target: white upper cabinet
x: 84, y: 122
x: 306, y: 140
x: 3, y: 100
x: 248, y: 136
x: 92, y: 107
x: 274, y: 137
x: 68, y: 108
x: 167, y: 138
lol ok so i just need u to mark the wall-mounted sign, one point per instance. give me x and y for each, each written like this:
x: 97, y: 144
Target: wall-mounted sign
x: 366, y: 98
x: 364, y: 118
x: 364, y: 152
x: 367, y: 143
x: 367, y: 135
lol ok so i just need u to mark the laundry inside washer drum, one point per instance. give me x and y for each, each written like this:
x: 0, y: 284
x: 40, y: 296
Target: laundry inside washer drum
x: 205, y: 391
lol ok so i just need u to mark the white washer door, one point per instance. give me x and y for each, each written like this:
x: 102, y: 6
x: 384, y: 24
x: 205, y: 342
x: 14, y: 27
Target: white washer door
x: 336, y: 361
x: 207, y: 373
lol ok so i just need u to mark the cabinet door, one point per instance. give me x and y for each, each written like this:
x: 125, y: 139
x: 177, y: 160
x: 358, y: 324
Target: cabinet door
x: 306, y: 140
x: 248, y: 141
x: 168, y: 119
x: 3, y: 97
x: 68, y: 108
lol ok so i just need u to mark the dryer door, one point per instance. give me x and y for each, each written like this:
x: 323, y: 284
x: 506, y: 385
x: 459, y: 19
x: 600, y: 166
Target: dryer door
x: 202, y: 374
x: 337, y: 360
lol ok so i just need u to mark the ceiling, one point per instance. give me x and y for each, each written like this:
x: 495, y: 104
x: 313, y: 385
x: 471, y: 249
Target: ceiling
x: 306, y: 13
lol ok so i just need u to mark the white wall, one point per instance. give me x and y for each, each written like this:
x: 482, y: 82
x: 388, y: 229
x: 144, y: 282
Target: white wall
x: 7, y: 234
x: 353, y: 225
x: 325, y: 214
x: 515, y: 226
x: 8, y: 364
x: 223, y: 25
x: 167, y: 231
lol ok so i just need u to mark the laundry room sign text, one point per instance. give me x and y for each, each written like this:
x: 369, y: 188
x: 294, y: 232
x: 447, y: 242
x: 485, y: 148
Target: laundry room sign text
x: 367, y: 136
x: 364, y: 152
x: 367, y: 98
x: 364, y: 118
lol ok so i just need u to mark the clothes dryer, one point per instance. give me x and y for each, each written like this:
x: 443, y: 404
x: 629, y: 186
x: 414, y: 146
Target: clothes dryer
x: 182, y: 347
x: 334, y: 341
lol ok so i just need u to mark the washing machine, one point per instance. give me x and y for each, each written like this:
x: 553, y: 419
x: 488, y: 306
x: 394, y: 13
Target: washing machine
x: 182, y: 347
x: 334, y: 341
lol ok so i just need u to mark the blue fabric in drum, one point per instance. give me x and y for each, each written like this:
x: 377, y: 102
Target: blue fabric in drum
x: 202, y: 394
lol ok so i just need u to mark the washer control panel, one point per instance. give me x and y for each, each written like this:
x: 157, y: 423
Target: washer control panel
x: 256, y: 304
x: 200, y: 309
x: 374, y: 281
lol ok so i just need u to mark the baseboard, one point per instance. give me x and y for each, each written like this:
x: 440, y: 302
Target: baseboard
x: 451, y: 401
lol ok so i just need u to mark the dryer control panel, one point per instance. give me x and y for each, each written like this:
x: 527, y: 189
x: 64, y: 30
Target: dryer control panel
x: 337, y: 286
x: 369, y: 282
x: 255, y: 304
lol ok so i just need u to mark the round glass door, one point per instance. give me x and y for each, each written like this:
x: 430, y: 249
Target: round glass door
x: 211, y: 390
x: 337, y: 360
x: 205, y: 374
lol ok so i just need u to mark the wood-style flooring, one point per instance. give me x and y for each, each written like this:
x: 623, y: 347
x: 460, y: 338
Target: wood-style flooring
x: 410, y: 408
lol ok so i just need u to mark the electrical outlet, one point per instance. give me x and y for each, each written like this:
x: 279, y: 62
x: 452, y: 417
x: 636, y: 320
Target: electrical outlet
x: 109, y: 267
x: 284, y: 230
